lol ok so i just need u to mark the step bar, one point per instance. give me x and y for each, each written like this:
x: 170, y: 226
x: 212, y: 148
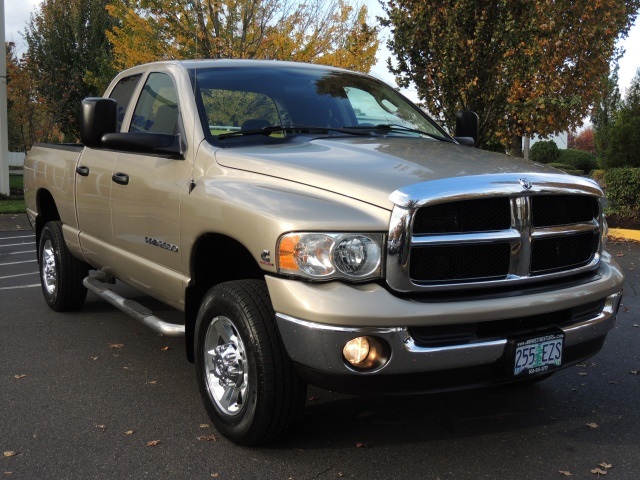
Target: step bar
x: 99, y: 285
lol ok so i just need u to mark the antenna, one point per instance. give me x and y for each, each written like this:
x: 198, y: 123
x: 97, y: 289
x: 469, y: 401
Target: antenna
x: 192, y: 183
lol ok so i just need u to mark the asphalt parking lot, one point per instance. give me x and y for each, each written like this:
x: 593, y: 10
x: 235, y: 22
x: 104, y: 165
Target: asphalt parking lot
x: 95, y: 395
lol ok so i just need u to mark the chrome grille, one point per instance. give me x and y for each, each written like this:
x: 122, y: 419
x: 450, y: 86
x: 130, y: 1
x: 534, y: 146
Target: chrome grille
x: 492, y: 231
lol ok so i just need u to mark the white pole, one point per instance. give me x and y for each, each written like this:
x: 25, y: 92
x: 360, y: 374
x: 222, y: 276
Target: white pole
x: 4, y: 139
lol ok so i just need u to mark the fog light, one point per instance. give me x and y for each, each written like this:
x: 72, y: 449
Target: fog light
x: 356, y: 351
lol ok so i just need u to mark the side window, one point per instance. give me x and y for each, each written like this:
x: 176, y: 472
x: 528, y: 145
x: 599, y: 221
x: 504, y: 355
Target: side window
x: 122, y: 94
x: 157, y: 108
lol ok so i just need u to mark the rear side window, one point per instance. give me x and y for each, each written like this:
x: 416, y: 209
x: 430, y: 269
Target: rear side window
x: 122, y: 94
x: 157, y: 108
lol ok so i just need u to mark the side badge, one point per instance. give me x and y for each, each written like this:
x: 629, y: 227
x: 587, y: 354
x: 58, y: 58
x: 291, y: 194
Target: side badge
x: 265, y: 258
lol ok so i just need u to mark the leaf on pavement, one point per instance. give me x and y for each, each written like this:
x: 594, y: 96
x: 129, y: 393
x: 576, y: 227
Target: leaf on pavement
x: 598, y: 471
x: 94, y: 358
x: 116, y: 345
x: 634, y: 372
x: 592, y: 425
x: 207, y: 438
x: 10, y: 453
x: 152, y: 382
x: 102, y: 428
x: 19, y: 377
x: 566, y: 473
x: 582, y: 374
x: 361, y: 445
x: 129, y: 432
x: 204, y: 425
x: 605, y: 465
x: 153, y: 443
x: 164, y: 349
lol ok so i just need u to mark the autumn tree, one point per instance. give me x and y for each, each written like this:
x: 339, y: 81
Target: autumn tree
x: 69, y: 56
x: 583, y: 141
x: 605, y: 111
x: 526, y: 67
x: 328, y: 32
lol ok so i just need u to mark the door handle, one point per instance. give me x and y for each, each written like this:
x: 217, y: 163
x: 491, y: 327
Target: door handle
x: 120, y: 178
x: 82, y: 170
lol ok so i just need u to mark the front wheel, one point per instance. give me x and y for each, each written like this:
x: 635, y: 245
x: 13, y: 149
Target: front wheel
x: 248, y: 384
x: 61, y: 274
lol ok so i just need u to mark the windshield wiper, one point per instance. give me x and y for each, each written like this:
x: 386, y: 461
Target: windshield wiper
x: 287, y: 128
x: 391, y: 127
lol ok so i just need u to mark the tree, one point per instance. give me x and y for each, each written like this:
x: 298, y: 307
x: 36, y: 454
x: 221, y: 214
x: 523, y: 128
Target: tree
x: 604, y: 113
x: 69, y: 56
x: 623, y: 149
x: 308, y: 30
x: 583, y: 141
x: 526, y: 67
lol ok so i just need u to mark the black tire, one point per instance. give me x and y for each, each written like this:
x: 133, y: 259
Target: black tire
x: 248, y: 384
x: 61, y: 274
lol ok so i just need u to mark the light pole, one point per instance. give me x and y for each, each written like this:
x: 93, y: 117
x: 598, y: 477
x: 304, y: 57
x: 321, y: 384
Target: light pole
x: 4, y: 141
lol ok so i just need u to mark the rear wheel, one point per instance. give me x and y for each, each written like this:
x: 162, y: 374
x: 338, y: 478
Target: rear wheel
x: 61, y: 274
x: 247, y: 381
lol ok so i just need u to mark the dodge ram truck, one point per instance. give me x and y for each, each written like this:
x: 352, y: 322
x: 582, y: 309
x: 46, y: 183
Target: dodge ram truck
x: 313, y: 226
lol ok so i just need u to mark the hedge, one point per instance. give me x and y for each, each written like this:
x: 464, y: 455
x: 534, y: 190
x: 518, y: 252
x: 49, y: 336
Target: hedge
x: 622, y: 187
x: 544, y: 152
x: 578, y: 159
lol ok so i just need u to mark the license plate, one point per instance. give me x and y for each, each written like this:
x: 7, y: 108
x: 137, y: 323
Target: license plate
x: 538, y: 354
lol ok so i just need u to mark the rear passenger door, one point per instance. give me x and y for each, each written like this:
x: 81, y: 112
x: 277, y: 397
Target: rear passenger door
x: 145, y: 200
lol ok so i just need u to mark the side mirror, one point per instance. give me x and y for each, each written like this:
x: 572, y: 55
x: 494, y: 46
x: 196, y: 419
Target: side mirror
x: 99, y: 116
x: 466, y: 128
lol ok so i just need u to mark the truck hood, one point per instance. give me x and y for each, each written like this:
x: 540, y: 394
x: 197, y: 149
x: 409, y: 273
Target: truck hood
x: 370, y: 169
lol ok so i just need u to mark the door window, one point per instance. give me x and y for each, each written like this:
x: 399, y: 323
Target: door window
x: 122, y: 94
x: 157, y: 108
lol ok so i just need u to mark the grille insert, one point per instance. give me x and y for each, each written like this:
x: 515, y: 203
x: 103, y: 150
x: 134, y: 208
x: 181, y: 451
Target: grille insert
x: 554, y: 210
x: 561, y: 253
x: 465, y: 216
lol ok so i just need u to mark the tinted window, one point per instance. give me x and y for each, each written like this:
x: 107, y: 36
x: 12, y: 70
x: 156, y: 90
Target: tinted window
x: 122, y: 94
x: 157, y: 108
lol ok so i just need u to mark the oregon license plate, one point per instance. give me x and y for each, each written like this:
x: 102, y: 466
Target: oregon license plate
x: 538, y: 354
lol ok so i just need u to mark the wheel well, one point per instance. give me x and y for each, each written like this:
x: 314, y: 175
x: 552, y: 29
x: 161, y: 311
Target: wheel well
x: 47, y: 211
x: 215, y: 259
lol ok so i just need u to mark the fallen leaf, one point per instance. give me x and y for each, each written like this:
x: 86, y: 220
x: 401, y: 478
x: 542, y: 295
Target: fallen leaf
x: 625, y: 309
x: 116, y: 345
x: 634, y: 372
x: 10, y: 453
x: 164, y: 349
x: 94, y: 358
x: 636, y: 325
x: 566, y: 473
x: 215, y: 475
x: 361, y: 445
x: 620, y: 254
x: 152, y: 382
x: 207, y: 438
x: 604, y: 465
x: 582, y: 374
x: 129, y: 432
x: 598, y: 471
x: 18, y: 377
x: 204, y: 425
x: 101, y: 427
x: 592, y: 425
x: 153, y: 443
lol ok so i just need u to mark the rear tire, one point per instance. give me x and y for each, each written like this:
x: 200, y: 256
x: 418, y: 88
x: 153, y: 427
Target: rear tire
x: 61, y: 274
x: 248, y: 384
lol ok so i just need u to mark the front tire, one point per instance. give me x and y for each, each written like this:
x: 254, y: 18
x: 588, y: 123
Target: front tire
x: 248, y: 384
x: 61, y: 274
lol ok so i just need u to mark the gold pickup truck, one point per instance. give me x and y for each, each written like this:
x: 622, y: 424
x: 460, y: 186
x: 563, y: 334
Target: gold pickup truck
x: 314, y: 226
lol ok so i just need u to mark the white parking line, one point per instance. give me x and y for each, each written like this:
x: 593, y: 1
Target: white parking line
x: 16, y: 244
x: 20, y: 286
x: 19, y: 275
x: 17, y: 253
x: 12, y: 238
x: 17, y: 263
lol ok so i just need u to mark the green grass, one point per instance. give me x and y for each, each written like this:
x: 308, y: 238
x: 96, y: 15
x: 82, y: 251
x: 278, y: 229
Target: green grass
x: 14, y: 205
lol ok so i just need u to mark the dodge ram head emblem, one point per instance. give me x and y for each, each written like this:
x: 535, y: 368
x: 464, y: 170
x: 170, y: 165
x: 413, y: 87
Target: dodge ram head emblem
x: 526, y: 184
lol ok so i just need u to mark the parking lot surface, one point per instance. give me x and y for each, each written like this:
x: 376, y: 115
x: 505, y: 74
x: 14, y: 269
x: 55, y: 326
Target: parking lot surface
x: 95, y: 395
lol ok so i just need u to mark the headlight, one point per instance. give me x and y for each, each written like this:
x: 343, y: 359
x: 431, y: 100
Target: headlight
x: 327, y: 256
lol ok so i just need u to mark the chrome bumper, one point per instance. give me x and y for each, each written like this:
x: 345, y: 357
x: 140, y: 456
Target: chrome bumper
x: 319, y: 346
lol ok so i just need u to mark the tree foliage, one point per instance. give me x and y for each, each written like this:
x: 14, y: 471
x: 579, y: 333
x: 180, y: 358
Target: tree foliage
x: 583, y: 141
x: 526, y: 67
x: 623, y: 136
x: 69, y: 56
x: 315, y: 31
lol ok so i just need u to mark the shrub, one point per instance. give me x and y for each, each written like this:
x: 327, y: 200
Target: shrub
x: 566, y: 168
x: 578, y: 159
x: 623, y: 192
x: 544, y: 152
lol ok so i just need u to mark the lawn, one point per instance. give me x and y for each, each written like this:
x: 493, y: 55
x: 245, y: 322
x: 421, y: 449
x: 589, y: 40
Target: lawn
x: 15, y: 202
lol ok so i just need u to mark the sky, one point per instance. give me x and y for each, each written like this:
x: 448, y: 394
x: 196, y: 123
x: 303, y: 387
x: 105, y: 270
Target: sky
x: 17, y: 14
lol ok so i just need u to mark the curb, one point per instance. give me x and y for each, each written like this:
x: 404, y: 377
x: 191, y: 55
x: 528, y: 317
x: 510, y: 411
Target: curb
x: 625, y: 234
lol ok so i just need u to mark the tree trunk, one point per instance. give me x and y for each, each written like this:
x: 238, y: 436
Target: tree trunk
x: 516, y: 146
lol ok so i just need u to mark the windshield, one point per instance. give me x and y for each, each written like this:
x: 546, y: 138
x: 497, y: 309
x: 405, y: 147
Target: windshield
x: 235, y: 101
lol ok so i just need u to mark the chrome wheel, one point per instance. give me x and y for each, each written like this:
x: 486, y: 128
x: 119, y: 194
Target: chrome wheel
x: 226, y: 366
x: 49, y: 268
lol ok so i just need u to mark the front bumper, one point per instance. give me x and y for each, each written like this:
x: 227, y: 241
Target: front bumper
x: 316, y: 346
